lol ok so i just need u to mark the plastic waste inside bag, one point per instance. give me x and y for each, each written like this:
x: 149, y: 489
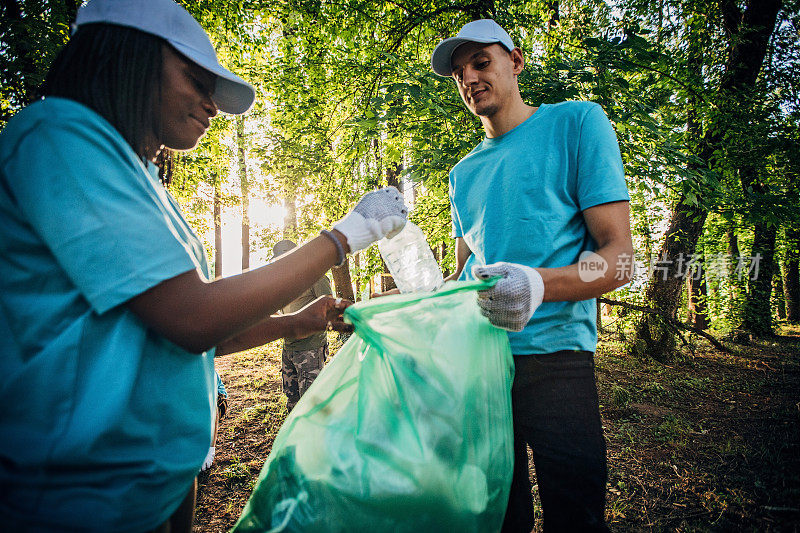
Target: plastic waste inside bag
x: 407, y: 429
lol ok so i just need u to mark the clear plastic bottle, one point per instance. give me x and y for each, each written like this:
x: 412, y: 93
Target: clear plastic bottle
x: 411, y: 261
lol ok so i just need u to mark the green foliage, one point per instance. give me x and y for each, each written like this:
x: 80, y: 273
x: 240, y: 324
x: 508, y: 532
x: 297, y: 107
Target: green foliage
x: 673, y: 429
x: 236, y: 472
x: 31, y: 34
x: 620, y: 396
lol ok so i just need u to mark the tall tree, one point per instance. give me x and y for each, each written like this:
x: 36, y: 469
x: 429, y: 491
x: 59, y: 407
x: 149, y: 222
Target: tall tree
x: 698, y: 314
x: 748, y: 34
x: 217, y: 225
x: 290, y: 206
x: 392, y: 179
x: 791, y: 279
x: 777, y: 292
x: 241, y: 147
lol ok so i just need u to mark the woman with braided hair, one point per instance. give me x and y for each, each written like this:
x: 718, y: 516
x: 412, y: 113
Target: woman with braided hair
x: 110, y: 318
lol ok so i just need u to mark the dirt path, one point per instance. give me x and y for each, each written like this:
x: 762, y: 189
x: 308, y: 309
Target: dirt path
x: 708, y: 443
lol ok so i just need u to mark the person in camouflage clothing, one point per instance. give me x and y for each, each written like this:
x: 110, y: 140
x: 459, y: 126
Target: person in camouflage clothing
x: 302, y: 359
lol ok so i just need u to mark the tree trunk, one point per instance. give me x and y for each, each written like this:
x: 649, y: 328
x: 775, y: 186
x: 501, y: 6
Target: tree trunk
x: 393, y: 176
x: 791, y: 279
x: 734, y: 254
x: 443, y: 255
x: 599, y: 314
x: 660, y: 21
x: 393, y: 179
x: 757, y: 309
x: 343, y: 285
x: 290, y: 218
x: 758, y: 269
x: 217, y: 229
x: 732, y: 241
x: 698, y: 312
x: 696, y: 288
x: 357, y: 267
x: 387, y: 281
x: 777, y: 292
x: 745, y: 58
x: 555, y: 15
x: 652, y: 337
x: 240, y: 143
x: 13, y: 11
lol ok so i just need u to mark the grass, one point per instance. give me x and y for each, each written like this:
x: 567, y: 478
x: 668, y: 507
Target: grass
x: 709, y: 442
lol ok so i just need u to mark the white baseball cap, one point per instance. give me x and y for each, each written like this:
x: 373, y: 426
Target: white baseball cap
x: 168, y: 20
x: 478, y: 31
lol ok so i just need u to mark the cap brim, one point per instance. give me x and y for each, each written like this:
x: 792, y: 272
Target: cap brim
x: 442, y: 54
x: 232, y: 94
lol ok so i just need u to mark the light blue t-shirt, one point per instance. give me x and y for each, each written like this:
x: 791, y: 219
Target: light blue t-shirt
x: 519, y: 197
x: 104, y: 423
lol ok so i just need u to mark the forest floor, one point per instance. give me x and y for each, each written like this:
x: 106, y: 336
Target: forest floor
x: 708, y: 442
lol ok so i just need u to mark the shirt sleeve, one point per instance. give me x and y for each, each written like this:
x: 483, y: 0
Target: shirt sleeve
x: 601, y: 178
x: 93, y: 204
x: 455, y: 223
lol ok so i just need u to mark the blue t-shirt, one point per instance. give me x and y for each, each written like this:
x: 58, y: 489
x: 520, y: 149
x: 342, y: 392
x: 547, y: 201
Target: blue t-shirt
x: 519, y: 197
x: 104, y: 423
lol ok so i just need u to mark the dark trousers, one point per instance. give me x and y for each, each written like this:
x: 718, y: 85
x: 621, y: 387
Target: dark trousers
x: 556, y: 412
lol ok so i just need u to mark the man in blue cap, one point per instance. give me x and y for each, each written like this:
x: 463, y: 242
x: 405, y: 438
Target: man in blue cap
x: 542, y: 202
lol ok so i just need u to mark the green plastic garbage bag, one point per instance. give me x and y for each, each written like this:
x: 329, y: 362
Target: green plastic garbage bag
x: 408, y: 429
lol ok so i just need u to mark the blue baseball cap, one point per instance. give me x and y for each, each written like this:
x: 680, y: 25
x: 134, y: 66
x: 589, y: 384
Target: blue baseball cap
x: 171, y: 22
x: 478, y: 31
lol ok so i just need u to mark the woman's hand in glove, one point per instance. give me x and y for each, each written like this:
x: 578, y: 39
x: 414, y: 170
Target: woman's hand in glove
x: 378, y: 214
x: 511, y: 302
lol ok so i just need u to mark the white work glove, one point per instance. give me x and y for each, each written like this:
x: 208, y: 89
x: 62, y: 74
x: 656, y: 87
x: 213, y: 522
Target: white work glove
x: 510, y: 304
x: 209, y: 460
x: 378, y: 214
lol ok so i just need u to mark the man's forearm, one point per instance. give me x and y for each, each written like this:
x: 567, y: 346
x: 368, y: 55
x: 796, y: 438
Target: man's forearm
x: 604, y: 270
x: 592, y: 277
x: 453, y: 276
x: 462, y: 254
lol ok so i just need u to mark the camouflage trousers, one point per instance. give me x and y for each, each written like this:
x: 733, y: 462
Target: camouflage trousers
x: 299, y: 369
